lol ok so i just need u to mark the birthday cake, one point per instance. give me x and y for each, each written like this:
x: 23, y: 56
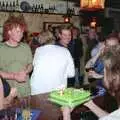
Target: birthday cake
x: 70, y: 97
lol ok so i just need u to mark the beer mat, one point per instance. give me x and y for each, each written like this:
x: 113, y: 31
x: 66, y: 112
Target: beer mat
x: 35, y: 113
x: 16, y: 113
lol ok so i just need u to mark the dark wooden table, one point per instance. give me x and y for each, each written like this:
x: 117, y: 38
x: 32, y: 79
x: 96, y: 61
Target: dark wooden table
x: 105, y: 102
x: 76, y: 113
x: 45, y: 114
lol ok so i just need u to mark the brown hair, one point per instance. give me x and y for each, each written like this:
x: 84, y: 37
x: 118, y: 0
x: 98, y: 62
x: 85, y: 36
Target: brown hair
x: 111, y: 60
x: 112, y: 36
x: 64, y: 27
x: 12, y: 22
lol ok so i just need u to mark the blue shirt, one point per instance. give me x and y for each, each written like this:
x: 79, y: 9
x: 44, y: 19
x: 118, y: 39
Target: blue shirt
x: 99, y: 66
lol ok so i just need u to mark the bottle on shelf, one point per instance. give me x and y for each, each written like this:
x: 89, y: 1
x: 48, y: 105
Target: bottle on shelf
x: 10, y: 7
x: 3, y: 6
x: 50, y: 10
x: 39, y: 8
x: 0, y: 5
x: 36, y: 8
x: 6, y: 6
x: 13, y: 6
x: 73, y: 11
x: 42, y: 8
x: 54, y: 8
x: 33, y: 8
x: 17, y: 6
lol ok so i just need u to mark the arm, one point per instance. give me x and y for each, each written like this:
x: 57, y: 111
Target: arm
x: 70, y: 67
x: 92, y: 61
x: 1, y: 95
x: 96, y: 109
x: 17, y: 76
x: 28, y: 68
x: 7, y: 75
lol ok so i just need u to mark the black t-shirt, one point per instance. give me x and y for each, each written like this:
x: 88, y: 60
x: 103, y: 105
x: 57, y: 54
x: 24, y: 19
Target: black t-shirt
x: 6, y: 88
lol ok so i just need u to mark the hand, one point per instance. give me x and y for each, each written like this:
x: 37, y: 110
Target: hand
x: 13, y: 92
x: 93, y: 74
x: 21, y: 76
x: 9, y: 99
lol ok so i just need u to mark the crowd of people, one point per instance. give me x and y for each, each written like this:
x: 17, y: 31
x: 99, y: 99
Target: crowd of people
x: 56, y: 65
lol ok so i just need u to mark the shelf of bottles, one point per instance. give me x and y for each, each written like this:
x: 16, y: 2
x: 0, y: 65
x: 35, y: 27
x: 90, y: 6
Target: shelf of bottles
x: 9, y: 6
x: 35, y: 8
x: 42, y: 9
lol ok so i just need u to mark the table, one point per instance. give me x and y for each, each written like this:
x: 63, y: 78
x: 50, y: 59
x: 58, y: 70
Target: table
x: 105, y: 102
x: 76, y: 112
x: 46, y: 113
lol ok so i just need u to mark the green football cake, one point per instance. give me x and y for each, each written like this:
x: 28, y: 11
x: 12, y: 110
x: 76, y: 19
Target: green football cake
x: 69, y: 97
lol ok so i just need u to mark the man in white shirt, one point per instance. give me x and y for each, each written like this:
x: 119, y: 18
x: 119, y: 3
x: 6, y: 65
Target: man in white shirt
x: 52, y: 65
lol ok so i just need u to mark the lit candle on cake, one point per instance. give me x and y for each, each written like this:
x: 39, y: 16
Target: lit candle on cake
x: 61, y: 92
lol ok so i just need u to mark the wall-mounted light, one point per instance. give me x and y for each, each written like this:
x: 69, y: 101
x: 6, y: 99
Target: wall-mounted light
x: 93, y: 23
x: 66, y: 19
x: 68, y: 14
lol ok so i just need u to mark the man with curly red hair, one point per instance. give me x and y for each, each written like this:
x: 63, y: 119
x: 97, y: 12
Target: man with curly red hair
x: 15, y: 56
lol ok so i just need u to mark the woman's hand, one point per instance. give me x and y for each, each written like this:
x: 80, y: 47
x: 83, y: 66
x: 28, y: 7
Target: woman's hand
x: 95, y: 109
x: 93, y: 74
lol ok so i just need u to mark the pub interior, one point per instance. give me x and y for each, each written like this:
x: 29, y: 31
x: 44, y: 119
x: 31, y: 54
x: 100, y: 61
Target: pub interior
x: 59, y: 59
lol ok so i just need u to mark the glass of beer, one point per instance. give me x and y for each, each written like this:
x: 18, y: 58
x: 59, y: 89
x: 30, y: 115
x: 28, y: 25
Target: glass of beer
x: 26, y: 111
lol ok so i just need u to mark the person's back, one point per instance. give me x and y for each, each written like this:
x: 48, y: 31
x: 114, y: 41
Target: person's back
x: 52, y: 66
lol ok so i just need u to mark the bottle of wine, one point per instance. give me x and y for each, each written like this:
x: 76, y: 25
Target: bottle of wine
x: 36, y: 8
x: 17, y: 6
x: 0, y: 5
x: 33, y: 8
x: 39, y: 8
x: 6, y: 6
x: 13, y: 6
x: 10, y: 7
x: 42, y: 8
x: 3, y: 6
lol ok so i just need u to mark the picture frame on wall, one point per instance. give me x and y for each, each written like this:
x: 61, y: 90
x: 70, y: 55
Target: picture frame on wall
x: 46, y: 25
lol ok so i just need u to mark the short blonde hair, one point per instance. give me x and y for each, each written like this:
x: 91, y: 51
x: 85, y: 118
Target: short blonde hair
x: 46, y: 37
